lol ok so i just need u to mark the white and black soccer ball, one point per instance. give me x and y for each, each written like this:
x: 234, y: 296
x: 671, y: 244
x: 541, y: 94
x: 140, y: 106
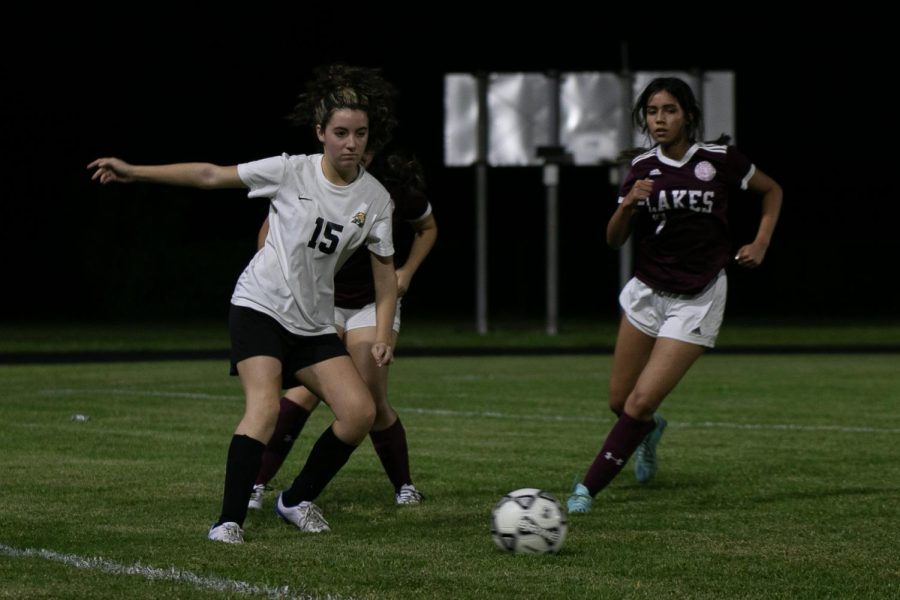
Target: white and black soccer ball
x: 528, y: 521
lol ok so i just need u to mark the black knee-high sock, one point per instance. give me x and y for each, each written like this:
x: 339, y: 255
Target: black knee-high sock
x: 328, y: 455
x: 390, y: 445
x: 244, y: 455
x: 624, y: 438
x: 291, y: 418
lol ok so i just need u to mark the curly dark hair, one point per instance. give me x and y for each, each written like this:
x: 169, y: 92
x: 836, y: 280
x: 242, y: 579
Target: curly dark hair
x: 399, y: 169
x: 340, y: 86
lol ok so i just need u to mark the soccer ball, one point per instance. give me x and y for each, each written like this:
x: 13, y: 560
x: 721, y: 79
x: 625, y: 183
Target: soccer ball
x: 528, y: 521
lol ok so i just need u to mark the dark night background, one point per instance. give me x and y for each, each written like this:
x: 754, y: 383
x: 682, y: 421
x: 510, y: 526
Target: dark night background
x: 813, y: 111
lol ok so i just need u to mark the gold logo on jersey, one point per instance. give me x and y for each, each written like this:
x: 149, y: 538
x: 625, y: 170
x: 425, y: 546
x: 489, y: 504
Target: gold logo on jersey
x: 359, y: 219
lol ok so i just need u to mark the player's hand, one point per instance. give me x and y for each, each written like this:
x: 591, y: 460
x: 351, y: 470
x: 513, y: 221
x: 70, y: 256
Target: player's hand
x: 751, y: 255
x: 111, y: 169
x: 639, y: 192
x: 383, y: 353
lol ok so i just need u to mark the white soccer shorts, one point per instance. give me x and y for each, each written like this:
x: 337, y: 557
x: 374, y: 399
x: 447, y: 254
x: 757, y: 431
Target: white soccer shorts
x: 357, y: 318
x: 692, y: 319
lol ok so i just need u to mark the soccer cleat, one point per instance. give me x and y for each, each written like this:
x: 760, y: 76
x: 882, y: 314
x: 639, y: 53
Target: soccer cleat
x: 228, y: 532
x: 306, y: 516
x: 645, y: 457
x: 408, y: 495
x: 256, y: 496
x: 580, y: 500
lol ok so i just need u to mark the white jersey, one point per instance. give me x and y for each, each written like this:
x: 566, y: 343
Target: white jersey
x: 314, y: 226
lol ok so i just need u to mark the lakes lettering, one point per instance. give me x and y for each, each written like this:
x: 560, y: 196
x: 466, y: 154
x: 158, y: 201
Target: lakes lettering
x: 695, y: 200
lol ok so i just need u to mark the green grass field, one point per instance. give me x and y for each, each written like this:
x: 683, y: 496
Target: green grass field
x: 779, y: 478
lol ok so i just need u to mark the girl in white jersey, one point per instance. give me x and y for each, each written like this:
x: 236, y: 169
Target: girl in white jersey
x: 322, y: 208
x: 356, y: 323
x: 675, y: 201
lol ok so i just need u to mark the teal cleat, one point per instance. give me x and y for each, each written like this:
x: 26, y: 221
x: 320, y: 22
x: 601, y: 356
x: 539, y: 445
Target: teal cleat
x: 580, y: 500
x: 645, y: 463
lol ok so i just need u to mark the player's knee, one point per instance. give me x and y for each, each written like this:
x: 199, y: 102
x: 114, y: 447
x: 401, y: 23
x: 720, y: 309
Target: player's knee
x: 642, y: 404
x: 367, y: 416
x: 259, y: 421
x: 618, y: 394
x: 302, y: 397
x: 361, y: 415
x: 382, y: 406
x: 617, y: 403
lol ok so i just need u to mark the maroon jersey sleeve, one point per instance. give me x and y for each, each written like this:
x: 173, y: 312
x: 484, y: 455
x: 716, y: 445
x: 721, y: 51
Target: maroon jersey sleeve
x: 409, y: 204
x: 639, y: 170
x: 630, y: 178
x: 738, y: 168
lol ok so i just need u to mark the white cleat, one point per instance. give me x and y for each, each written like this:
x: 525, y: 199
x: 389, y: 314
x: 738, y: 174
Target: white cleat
x: 228, y: 532
x: 306, y: 516
x: 409, y: 495
x: 256, y: 496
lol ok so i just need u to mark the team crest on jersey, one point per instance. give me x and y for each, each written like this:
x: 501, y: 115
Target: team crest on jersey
x: 359, y: 219
x: 704, y: 171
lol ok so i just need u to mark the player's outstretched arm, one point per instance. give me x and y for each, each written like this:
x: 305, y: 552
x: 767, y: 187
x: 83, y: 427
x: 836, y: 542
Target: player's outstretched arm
x: 198, y: 175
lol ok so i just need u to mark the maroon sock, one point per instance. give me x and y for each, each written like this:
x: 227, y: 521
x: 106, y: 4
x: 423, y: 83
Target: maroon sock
x: 390, y: 445
x: 624, y: 438
x: 291, y: 419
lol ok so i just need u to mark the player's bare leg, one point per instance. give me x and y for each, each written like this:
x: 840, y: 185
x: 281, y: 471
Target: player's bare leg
x: 388, y: 435
x: 338, y: 383
x: 295, y: 407
x: 261, y: 380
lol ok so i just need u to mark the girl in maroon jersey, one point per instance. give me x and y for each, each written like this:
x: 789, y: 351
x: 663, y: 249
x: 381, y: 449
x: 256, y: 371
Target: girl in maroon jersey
x: 355, y: 320
x: 674, y: 200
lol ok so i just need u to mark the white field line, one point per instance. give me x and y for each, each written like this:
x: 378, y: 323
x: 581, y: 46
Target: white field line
x: 171, y: 574
x: 515, y: 417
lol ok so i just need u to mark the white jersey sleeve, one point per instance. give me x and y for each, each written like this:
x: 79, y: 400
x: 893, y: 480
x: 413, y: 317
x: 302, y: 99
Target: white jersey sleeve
x: 380, y: 240
x: 263, y: 177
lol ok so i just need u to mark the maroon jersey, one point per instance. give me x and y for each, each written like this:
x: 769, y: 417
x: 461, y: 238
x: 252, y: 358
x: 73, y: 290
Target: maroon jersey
x: 682, y: 230
x: 353, y: 284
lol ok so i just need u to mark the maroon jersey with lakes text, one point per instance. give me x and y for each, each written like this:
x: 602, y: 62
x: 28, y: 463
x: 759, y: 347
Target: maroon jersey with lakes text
x: 353, y: 284
x: 682, y: 232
